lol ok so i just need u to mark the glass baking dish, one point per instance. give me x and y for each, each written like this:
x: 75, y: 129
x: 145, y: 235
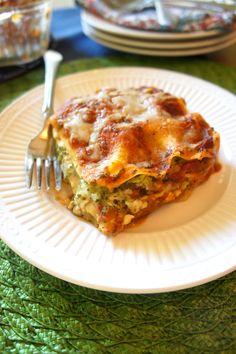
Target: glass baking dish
x: 24, y: 30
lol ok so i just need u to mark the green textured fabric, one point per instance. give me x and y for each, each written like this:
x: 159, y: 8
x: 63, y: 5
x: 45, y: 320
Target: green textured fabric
x: 42, y: 314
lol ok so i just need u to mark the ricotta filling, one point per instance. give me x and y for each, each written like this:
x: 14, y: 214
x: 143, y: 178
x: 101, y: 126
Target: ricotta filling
x: 90, y: 200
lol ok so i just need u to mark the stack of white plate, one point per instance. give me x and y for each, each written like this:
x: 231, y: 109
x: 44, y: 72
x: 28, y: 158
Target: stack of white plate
x: 154, y: 43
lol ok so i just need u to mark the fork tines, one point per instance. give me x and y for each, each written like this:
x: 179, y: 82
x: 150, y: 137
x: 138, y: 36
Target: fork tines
x: 47, y: 168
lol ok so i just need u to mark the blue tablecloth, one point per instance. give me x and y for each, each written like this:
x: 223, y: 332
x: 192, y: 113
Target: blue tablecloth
x: 69, y: 38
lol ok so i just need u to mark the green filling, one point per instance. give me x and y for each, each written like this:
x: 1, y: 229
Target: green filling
x: 130, y: 198
x: 120, y: 198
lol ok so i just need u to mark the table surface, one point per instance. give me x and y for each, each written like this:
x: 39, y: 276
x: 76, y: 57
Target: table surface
x: 42, y: 314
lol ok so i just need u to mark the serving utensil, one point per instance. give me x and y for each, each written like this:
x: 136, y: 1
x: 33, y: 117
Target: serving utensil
x: 164, y: 17
x: 138, y: 5
x: 41, y: 154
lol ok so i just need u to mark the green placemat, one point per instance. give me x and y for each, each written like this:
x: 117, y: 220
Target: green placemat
x: 42, y: 314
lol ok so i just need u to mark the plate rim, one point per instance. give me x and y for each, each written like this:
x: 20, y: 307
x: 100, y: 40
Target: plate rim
x: 159, y: 45
x: 118, y: 68
x: 159, y: 52
x: 126, y: 31
x: 113, y: 289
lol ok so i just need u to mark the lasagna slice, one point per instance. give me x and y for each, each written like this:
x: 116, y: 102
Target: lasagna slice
x: 126, y: 152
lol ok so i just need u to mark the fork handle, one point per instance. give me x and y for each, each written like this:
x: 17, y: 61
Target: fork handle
x: 52, y: 60
x: 163, y: 15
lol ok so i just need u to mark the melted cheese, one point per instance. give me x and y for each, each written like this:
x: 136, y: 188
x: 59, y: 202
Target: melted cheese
x: 134, y: 131
x: 136, y: 108
x: 139, y: 108
x: 78, y: 127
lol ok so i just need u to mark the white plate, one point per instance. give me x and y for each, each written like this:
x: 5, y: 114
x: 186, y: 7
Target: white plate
x: 106, y: 26
x: 180, y: 245
x: 88, y: 31
x: 157, y: 44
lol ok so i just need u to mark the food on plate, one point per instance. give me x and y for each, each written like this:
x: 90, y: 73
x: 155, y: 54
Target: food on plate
x: 126, y: 152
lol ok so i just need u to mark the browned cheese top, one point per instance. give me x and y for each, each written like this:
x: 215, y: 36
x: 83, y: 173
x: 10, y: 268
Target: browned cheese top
x: 115, y: 135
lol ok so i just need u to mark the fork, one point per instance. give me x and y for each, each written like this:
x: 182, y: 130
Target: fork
x: 41, y: 152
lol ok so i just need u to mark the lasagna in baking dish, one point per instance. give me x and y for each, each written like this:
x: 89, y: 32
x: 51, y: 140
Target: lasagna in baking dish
x: 126, y: 152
